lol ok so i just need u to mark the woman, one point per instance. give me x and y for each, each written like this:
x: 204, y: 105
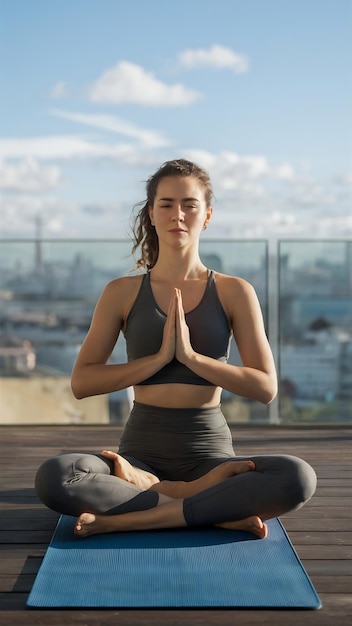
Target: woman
x: 176, y: 465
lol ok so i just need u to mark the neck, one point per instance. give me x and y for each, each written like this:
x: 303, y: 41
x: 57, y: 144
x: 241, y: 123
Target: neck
x: 179, y: 267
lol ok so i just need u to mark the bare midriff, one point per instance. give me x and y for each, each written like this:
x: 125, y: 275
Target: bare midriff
x: 178, y: 395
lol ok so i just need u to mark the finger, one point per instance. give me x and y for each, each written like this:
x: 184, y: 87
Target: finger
x: 171, y: 303
x: 180, y: 309
x: 178, y: 298
x: 177, y: 312
x: 172, y: 306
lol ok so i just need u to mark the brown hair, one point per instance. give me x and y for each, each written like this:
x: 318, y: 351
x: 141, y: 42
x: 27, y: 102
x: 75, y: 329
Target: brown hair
x: 144, y: 234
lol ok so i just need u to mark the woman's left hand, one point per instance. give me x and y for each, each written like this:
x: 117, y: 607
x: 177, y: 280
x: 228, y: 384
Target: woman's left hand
x: 184, y: 348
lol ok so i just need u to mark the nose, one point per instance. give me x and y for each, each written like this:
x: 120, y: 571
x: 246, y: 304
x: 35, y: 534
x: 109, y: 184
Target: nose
x: 178, y: 213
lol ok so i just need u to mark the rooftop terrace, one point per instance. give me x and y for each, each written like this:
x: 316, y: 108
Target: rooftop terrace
x: 321, y: 532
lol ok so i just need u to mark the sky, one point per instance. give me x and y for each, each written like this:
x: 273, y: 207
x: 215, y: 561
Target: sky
x: 97, y: 94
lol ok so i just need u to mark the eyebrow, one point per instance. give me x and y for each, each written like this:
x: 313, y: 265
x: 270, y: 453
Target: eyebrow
x: 183, y: 199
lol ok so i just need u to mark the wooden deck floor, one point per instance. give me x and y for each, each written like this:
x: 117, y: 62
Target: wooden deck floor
x: 321, y: 532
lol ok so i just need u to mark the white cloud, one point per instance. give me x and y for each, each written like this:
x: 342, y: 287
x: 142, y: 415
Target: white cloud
x: 62, y: 218
x: 59, y: 91
x: 128, y: 82
x: 29, y: 176
x: 254, y: 198
x: 112, y: 123
x: 268, y: 218
x: 230, y: 170
x: 19, y: 212
x: 64, y: 147
x: 307, y: 192
x: 345, y: 180
x: 216, y: 56
x: 284, y: 172
x: 54, y: 226
x: 49, y: 147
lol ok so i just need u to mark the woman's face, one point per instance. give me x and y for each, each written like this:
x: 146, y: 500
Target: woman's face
x: 179, y: 212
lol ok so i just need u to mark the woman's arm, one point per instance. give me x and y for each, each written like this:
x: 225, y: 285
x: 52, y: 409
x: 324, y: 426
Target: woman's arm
x: 91, y: 374
x: 256, y: 377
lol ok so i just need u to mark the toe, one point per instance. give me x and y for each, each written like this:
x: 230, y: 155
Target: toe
x: 109, y: 453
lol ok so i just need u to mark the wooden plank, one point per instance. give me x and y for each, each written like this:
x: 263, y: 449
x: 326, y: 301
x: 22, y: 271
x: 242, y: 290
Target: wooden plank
x: 332, y: 584
x: 26, y: 536
x: 321, y: 513
x: 326, y: 501
x: 306, y: 525
x: 339, y: 492
x: 321, y: 538
x: 28, y: 520
x: 325, y: 552
x: 24, y: 564
x: 17, y: 584
x: 334, y: 612
x: 327, y: 567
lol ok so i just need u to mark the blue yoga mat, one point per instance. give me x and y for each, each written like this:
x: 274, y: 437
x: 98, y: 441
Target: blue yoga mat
x: 192, y: 567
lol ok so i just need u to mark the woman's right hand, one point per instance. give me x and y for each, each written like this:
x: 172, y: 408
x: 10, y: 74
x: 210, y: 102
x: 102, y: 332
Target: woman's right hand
x: 168, y: 346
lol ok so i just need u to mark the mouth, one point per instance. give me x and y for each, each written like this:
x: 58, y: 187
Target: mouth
x: 177, y: 230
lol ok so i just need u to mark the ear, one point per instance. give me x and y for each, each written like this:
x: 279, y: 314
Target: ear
x: 208, y: 215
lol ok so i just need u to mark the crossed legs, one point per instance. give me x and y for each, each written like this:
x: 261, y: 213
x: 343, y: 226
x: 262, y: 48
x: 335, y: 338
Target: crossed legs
x: 102, y: 492
x: 169, y: 511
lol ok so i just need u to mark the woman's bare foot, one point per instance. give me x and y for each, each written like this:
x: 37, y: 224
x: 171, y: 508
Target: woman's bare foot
x: 167, y: 514
x: 89, y: 524
x: 251, y: 525
x: 123, y: 469
x: 182, y: 489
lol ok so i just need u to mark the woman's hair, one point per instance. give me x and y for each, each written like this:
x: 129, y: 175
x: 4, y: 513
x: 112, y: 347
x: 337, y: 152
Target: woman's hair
x: 144, y: 234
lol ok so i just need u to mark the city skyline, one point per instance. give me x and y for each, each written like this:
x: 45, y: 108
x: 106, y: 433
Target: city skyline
x: 96, y: 96
x: 48, y: 299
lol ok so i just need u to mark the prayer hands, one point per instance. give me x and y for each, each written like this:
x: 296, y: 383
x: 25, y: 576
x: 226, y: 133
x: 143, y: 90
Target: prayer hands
x: 183, y: 342
x: 176, y: 338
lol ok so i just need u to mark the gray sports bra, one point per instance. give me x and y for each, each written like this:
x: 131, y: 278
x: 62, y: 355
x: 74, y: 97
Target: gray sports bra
x: 210, y: 333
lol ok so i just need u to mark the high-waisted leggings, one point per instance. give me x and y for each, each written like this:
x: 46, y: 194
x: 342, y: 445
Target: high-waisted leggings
x: 176, y: 444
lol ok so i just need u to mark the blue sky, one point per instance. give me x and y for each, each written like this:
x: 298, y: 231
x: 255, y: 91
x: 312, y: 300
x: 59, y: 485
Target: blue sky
x: 96, y: 94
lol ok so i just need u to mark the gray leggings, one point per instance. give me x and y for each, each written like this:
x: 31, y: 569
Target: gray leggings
x: 176, y: 444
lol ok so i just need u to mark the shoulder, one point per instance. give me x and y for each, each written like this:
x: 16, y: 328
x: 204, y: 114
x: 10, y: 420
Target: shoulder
x: 123, y: 286
x: 120, y: 293
x: 233, y: 285
x: 236, y: 294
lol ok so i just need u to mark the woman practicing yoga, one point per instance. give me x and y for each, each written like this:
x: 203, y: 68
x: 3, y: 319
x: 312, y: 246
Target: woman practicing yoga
x: 176, y: 465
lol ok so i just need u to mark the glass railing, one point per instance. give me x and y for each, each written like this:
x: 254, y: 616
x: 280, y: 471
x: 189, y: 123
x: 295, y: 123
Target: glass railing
x: 48, y: 290
x: 315, y: 331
